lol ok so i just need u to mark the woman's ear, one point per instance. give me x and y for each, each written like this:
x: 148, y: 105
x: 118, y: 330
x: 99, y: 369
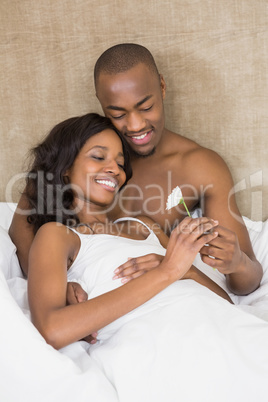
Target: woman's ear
x: 163, y: 86
x: 65, y: 177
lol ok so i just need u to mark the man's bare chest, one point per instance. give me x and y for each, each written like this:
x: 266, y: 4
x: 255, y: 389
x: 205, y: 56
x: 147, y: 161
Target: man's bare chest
x: 147, y: 193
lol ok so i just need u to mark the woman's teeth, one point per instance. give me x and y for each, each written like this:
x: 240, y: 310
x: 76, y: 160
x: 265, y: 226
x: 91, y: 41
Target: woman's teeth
x: 107, y: 183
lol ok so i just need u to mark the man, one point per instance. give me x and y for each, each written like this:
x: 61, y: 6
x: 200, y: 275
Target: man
x: 131, y: 93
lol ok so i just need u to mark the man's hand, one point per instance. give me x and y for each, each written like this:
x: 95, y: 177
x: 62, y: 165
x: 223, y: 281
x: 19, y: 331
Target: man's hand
x: 75, y: 293
x: 92, y: 339
x: 135, y: 267
x: 225, y: 252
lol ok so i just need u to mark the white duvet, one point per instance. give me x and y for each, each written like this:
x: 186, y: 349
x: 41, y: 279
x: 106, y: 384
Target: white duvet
x: 192, y: 347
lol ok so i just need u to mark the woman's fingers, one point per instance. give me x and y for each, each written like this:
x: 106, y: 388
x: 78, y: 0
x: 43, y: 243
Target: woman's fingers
x: 195, y: 226
x: 130, y: 267
x: 135, y: 267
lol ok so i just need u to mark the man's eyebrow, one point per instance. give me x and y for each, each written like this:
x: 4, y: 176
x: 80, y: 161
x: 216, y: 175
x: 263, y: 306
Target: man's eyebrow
x: 111, y: 107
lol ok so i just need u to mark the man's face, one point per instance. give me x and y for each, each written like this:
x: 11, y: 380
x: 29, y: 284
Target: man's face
x: 133, y: 100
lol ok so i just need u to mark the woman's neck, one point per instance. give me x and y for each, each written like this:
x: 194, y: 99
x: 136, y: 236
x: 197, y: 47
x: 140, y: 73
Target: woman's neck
x: 89, y: 213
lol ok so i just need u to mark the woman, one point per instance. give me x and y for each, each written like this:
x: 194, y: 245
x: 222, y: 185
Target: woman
x: 77, y: 171
x: 80, y: 167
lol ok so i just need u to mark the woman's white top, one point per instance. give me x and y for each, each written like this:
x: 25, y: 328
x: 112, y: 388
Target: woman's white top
x: 101, y: 254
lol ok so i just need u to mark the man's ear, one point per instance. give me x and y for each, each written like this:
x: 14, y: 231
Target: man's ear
x: 163, y: 86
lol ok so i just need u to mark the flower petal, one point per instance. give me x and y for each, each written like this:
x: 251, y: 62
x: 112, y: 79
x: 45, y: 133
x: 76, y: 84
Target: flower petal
x: 174, y: 198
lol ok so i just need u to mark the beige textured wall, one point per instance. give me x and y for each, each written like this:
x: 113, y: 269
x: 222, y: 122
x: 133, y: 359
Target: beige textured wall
x: 213, y: 54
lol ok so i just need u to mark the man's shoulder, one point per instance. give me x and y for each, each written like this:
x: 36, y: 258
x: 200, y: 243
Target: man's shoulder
x: 192, y: 152
x: 180, y: 144
x: 205, y: 158
x: 203, y: 165
x: 199, y: 163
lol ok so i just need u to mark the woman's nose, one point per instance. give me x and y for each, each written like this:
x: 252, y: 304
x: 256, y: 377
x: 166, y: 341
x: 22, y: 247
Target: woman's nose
x: 112, y: 167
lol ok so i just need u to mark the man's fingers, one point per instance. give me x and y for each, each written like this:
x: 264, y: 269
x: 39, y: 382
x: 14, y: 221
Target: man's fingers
x: 213, y: 262
x: 71, y: 297
x: 206, y: 238
x: 195, y: 225
x: 213, y: 251
x: 80, y: 294
x: 204, y: 229
x: 92, y: 339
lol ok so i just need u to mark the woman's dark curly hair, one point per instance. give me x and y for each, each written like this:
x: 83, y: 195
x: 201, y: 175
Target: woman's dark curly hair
x: 45, y: 185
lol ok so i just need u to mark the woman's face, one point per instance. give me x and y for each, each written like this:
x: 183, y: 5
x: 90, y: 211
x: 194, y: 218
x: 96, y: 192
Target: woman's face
x: 97, y: 173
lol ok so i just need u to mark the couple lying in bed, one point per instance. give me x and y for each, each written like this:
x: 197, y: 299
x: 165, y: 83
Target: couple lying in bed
x: 75, y: 176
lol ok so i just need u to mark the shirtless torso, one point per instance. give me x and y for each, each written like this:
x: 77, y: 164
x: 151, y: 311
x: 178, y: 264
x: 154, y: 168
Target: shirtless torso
x: 181, y: 162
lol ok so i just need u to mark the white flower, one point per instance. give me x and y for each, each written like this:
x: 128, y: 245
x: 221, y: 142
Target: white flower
x: 174, y: 198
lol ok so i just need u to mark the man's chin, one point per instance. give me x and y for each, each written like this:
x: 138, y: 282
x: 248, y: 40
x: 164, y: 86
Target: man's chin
x: 137, y: 154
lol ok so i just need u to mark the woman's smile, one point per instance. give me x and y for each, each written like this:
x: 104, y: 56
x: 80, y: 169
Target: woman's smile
x: 108, y: 183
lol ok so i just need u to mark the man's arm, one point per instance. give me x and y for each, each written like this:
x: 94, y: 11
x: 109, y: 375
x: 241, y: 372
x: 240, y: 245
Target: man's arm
x: 231, y: 252
x: 21, y: 232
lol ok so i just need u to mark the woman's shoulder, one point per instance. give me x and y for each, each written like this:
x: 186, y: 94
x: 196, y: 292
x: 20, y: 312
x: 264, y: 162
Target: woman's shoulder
x: 51, y: 227
x: 57, y: 232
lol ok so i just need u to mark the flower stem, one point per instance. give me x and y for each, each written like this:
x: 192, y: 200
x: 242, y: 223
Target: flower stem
x: 186, y: 209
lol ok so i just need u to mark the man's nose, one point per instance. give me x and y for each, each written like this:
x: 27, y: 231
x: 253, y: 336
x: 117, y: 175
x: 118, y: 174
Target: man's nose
x: 135, y: 122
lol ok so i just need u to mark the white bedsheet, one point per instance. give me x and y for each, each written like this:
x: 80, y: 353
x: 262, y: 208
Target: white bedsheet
x: 129, y: 362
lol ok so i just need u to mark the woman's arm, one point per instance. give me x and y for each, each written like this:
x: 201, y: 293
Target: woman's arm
x: 135, y: 267
x: 61, y: 325
x: 22, y: 235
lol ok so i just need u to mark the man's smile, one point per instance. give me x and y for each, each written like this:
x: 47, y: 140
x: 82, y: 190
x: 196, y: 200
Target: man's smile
x: 141, y: 139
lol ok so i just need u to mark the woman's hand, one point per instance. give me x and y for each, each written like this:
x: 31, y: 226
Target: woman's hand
x: 185, y: 242
x: 135, y: 267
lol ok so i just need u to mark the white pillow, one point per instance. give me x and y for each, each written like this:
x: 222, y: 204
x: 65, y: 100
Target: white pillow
x: 9, y: 263
x: 258, y: 233
x: 7, y: 210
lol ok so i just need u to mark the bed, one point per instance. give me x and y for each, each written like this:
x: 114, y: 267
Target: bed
x: 32, y: 370
x: 214, y: 57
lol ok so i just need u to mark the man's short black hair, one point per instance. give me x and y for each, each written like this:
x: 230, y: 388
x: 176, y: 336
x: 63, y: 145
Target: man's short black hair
x: 123, y: 57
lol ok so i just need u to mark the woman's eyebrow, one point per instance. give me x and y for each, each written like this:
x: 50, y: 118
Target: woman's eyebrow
x: 100, y: 146
x: 105, y: 149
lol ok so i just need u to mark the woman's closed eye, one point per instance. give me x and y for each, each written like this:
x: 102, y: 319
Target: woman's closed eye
x: 99, y: 158
x: 121, y: 165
